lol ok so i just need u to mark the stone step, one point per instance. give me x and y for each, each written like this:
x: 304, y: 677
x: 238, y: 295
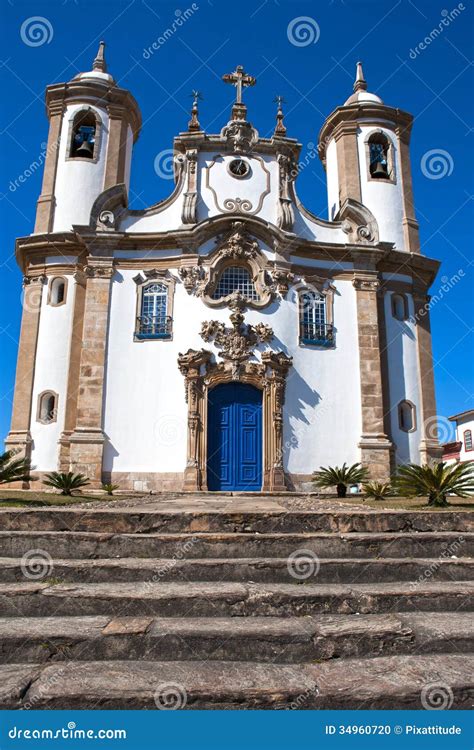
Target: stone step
x: 259, y: 639
x: 63, y: 544
x: 390, y: 682
x: 283, y: 521
x: 343, y: 570
x: 230, y: 599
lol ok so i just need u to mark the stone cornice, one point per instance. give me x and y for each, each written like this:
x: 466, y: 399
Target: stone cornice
x: 346, y: 119
x: 203, y: 142
x: 381, y: 257
x: 120, y: 102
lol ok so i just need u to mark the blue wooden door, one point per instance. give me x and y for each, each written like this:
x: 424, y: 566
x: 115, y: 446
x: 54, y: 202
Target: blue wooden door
x: 234, y: 438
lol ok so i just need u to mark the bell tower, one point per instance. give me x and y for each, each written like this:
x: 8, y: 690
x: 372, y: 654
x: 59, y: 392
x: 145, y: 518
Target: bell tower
x: 364, y: 146
x: 93, y: 125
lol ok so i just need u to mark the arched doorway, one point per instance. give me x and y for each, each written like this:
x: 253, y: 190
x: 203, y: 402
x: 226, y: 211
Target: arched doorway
x: 234, y: 437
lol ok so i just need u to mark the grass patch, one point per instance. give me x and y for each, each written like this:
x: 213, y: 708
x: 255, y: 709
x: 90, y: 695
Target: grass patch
x: 410, y: 503
x: 32, y: 499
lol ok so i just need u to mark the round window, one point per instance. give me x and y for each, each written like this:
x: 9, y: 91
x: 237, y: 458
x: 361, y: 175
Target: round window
x: 239, y: 168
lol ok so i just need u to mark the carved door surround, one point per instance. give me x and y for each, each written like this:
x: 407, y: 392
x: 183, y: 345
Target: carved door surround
x: 201, y: 374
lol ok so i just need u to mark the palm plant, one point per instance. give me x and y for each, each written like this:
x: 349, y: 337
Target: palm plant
x: 110, y: 488
x: 436, y: 481
x: 65, y: 481
x: 14, y: 469
x: 377, y: 490
x: 340, y: 477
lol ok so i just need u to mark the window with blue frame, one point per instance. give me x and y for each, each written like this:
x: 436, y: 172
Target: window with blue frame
x: 314, y: 328
x: 153, y: 321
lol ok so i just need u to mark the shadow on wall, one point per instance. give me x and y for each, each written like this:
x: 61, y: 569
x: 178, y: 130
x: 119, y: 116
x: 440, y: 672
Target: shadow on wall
x: 298, y: 397
x: 397, y: 387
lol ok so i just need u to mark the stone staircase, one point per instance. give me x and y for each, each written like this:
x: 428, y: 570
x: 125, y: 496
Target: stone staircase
x: 216, y: 604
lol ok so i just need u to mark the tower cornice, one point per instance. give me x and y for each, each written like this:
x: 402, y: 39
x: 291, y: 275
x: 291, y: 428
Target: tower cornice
x: 346, y: 119
x: 95, y: 92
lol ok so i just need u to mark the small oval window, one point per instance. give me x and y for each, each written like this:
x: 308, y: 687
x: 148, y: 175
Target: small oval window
x: 399, y: 306
x: 406, y: 416
x: 57, y: 292
x: 47, y: 407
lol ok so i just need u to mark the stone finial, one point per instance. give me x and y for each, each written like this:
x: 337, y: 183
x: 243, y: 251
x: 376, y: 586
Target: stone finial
x: 360, y: 84
x: 280, y: 128
x: 99, y: 61
x: 194, y: 123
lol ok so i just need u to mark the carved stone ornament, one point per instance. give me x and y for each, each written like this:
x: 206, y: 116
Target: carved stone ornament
x: 240, y: 249
x: 366, y: 284
x: 240, y: 134
x: 106, y: 221
x: 239, y: 245
x: 287, y: 173
x: 41, y: 279
x: 192, y: 277
x: 237, y: 343
x: 101, y: 271
x: 281, y: 281
x: 202, y: 375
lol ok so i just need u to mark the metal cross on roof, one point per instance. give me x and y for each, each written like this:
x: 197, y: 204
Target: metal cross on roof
x: 240, y: 79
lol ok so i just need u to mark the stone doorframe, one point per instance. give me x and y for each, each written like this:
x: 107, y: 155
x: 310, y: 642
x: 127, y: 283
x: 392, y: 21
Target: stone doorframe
x: 269, y: 376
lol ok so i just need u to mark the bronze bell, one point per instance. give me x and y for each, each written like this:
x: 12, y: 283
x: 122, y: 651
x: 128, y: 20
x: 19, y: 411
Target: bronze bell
x: 380, y: 170
x: 86, y: 150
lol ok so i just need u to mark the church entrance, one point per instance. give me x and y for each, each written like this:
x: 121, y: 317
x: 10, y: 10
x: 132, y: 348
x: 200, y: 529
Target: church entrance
x: 234, y: 437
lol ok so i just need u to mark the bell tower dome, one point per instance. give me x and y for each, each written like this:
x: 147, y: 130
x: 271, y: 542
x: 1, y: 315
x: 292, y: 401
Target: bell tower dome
x: 93, y: 125
x: 364, y: 146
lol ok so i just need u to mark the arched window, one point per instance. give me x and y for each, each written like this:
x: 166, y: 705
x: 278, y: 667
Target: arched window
x: 235, y: 279
x: 57, y: 291
x: 314, y: 328
x: 467, y: 440
x: 47, y: 407
x: 84, y: 135
x: 399, y: 306
x: 154, y: 321
x: 406, y: 416
x: 379, y: 156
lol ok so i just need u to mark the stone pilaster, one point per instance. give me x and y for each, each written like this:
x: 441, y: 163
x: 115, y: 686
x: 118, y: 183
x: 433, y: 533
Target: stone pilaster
x: 190, y: 365
x: 19, y: 435
x: 75, y: 350
x: 374, y: 444
x: 410, y: 224
x: 348, y: 162
x: 46, y: 201
x: 430, y: 449
x: 87, y: 440
x: 116, y: 148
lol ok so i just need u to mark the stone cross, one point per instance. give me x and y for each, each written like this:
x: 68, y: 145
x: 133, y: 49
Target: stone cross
x: 240, y: 79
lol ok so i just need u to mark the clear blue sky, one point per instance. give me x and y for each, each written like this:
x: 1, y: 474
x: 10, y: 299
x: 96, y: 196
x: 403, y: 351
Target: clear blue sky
x: 314, y: 76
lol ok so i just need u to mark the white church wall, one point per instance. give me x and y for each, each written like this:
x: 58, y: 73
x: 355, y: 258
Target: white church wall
x: 384, y: 198
x: 51, y: 372
x: 73, y: 206
x: 145, y: 409
x: 332, y: 179
x: 403, y: 377
x: 216, y: 185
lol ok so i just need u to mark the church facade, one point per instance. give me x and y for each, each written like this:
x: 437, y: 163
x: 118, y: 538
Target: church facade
x: 225, y: 338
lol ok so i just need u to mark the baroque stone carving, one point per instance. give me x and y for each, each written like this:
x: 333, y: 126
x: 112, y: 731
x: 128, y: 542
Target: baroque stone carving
x: 191, y: 276
x: 202, y: 374
x: 287, y: 173
x: 238, y: 205
x: 237, y: 343
x: 240, y: 134
x: 239, y: 244
x: 281, y: 281
x: 106, y: 221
